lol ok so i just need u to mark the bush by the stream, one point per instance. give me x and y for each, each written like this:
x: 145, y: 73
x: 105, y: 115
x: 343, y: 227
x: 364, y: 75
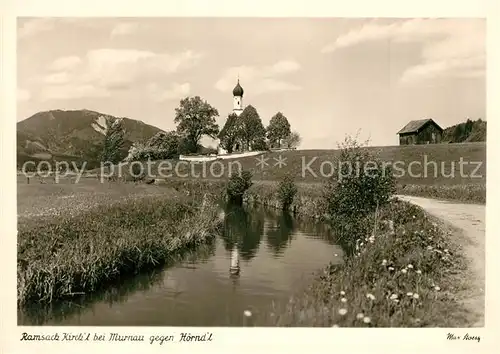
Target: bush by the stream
x: 237, y: 185
x: 287, y: 190
x: 362, y: 183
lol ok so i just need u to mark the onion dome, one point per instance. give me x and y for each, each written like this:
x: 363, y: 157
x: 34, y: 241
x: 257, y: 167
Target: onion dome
x: 238, y: 90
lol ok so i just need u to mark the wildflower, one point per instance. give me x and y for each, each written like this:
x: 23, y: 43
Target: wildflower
x: 409, y: 294
x: 415, y: 296
x: 410, y: 266
x: 343, y: 299
x: 370, y: 296
x: 342, y: 293
x: 366, y: 320
x: 403, y: 271
x: 342, y: 312
x: 336, y: 255
x: 384, y: 262
x: 360, y: 316
x: 247, y: 313
x: 393, y: 297
x: 437, y: 288
x: 361, y: 244
x: 414, y: 216
x: 391, y: 268
x: 419, y: 271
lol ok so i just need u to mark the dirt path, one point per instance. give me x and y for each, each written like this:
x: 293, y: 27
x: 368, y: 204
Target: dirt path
x: 470, y: 219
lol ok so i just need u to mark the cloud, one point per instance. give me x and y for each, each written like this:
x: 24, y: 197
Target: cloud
x: 106, y: 70
x: 449, y: 47
x: 176, y: 91
x: 123, y: 29
x: 65, y: 63
x: 23, y: 95
x: 259, y: 79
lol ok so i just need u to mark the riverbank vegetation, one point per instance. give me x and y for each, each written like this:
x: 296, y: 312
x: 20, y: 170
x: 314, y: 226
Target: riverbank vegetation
x: 401, y: 269
x: 402, y: 272
x: 68, y: 255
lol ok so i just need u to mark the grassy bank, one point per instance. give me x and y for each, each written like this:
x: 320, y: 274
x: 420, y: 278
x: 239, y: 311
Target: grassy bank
x: 403, y: 276
x: 67, y: 255
x: 464, y: 193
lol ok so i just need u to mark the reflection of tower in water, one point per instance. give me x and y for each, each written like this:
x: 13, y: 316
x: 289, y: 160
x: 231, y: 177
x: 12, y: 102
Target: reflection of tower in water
x: 234, y: 267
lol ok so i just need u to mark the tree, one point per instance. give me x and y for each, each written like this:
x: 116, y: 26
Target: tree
x: 194, y: 118
x: 166, y: 144
x: 278, y: 129
x: 250, y: 129
x: 293, y: 140
x: 165, y: 141
x: 229, y: 133
x: 468, y: 128
x: 113, y: 142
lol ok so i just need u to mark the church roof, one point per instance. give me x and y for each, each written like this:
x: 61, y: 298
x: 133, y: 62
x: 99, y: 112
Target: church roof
x: 238, y: 90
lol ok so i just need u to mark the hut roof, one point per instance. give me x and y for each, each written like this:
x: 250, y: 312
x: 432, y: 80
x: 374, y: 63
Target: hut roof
x: 415, y: 125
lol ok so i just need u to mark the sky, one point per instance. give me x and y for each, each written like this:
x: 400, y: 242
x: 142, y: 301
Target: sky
x: 329, y: 76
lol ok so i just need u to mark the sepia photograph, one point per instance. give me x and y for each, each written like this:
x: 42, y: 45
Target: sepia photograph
x: 251, y: 172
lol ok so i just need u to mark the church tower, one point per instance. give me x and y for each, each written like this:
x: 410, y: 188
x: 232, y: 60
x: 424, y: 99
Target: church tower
x: 238, y: 99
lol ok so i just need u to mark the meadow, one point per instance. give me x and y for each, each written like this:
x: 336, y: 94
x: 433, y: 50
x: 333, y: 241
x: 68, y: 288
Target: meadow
x: 432, y: 170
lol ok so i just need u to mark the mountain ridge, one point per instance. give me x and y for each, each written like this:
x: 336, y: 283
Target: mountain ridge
x: 74, y: 135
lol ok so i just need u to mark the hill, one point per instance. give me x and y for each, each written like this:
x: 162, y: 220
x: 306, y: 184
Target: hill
x: 73, y: 135
x: 470, y: 131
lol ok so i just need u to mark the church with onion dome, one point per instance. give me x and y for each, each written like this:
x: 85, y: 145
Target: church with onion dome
x: 238, y: 99
x: 237, y: 109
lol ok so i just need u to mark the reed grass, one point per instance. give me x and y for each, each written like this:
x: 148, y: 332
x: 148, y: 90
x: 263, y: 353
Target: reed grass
x: 64, y: 256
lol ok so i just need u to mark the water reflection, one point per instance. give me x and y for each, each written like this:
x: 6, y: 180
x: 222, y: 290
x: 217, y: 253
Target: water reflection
x: 200, y: 289
x: 279, y: 232
x: 243, y: 229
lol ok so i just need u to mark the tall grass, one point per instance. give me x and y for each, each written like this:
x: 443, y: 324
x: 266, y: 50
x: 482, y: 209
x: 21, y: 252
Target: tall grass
x: 64, y: 256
